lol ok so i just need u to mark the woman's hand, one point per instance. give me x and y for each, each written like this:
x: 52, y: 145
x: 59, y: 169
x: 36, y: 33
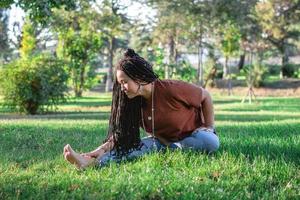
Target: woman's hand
x: 100, y: 150
x: 93, y: 154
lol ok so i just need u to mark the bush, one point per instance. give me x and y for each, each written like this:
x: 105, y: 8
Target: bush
x: 273, y: 69
x: 297, y: 73
x: 290, y: 70
x: 212, y: 70
x: 183, y: 70
x: 33, y: 84
x: 255, y: 74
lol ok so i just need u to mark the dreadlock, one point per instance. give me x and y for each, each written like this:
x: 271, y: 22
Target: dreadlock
x: 125, y: 115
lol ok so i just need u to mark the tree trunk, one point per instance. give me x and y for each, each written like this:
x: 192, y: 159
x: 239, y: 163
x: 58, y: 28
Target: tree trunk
x: 200, y: 63
x: 242, y: 61
x: 228, y: 76
x: 171, y: 47
x: 82, y: 78
x: 109, y: 80
x: 284, y: 61
x: 76, y: 83
x: 225, y: 68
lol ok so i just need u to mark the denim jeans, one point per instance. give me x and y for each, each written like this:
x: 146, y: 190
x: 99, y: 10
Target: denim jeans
x: 199, y: 140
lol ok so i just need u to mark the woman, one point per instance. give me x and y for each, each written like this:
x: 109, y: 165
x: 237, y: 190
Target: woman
x: 174, y: 114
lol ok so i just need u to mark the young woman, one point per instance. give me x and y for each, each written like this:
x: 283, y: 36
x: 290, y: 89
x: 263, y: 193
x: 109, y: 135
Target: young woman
x: 174, y: 114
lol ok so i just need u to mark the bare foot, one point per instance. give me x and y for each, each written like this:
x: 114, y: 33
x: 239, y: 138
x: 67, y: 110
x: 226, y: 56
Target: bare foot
x: 81, y: 162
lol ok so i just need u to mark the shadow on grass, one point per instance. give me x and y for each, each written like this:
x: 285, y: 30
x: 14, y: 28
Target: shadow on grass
x: 253, y: 118
x: 228, y: 101
x: 290, y: 154
x: 27, y: 144
x: 273, y: 108
x: 87, y: 103
x: 84, y: 102
x: 60, y: 115
x: 272, y: 142
x: 98, y: 98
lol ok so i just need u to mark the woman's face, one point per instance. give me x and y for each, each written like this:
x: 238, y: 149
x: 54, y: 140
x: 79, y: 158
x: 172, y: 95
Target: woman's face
x: 129, y: 86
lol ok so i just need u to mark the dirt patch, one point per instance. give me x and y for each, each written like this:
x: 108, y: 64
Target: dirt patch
x: 286, y: 87
x: 240, y: 91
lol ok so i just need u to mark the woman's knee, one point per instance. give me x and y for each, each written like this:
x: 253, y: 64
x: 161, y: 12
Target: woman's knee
x: 209, y: 140
x: 214, y: 145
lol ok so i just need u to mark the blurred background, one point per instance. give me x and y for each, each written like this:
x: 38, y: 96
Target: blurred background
x: 51, y: 48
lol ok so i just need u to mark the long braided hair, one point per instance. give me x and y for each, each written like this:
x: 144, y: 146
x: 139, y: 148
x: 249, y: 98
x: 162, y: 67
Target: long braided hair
x: 125, y: 115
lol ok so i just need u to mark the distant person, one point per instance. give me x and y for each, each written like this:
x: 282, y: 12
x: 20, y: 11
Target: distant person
x: 175, y: 115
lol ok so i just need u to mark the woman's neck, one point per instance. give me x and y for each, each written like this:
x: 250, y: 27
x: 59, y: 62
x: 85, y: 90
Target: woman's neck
x: 147, y: 91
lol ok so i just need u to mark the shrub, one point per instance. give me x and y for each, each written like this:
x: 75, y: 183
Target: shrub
x: 273, y: 69
x: 290, y: 70
x: 212, y: 70
x: 255, y: 74
x: 183, y: 70
x: 297, y: 73
x: 34, y: 84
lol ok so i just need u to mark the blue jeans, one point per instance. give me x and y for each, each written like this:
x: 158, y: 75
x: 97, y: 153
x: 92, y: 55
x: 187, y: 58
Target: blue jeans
x: 200, y: 140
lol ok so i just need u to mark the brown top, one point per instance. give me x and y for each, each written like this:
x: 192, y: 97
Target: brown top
x: 177, y: 109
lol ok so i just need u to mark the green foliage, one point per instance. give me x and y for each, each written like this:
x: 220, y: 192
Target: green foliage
x: 34, y: 84
x: 279, y: 21
x: 273, y: 69
x: 291, y: 70
x: 39, y: 11
x: 28, y: 43
x: 79, y: 44
x: 157, y: 58
x: 276, y: 22
x: 230, y: 43
x: 78, y: 50
x: 297, y: 73
x: 211, y: 70
x: 255, y: 74
x: 184, y: 71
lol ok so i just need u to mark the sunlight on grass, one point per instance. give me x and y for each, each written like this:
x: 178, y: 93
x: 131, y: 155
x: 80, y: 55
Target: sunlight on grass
x: 259, y: 156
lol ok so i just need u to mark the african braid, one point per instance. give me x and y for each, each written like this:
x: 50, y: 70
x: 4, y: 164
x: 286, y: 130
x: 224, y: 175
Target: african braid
x: 125, y: 115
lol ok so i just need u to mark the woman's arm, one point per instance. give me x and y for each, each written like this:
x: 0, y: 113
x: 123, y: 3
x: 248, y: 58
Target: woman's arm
x: 107, y: 146
x: 207, y: 109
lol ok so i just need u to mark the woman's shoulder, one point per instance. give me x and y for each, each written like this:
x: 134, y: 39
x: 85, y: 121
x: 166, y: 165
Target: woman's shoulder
x: 177, y: 84
x: 179, y: 90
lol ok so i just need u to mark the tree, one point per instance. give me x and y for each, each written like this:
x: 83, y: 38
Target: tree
x: 200, y: 23
x: 113, y: 25
x: 230, y: 45
x: 279, y: 21
x: 34, y: 80
x: 28, y: 42
x: 37, y: 83
x: 39, y: 11
x: 4, y: 40
x: 79, y: 42
x: 167, y: 30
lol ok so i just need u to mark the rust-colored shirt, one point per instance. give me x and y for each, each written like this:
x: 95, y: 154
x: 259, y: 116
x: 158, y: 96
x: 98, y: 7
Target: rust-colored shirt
x: 177, y: 109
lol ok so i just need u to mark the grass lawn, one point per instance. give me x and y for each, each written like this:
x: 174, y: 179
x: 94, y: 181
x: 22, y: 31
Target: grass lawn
x: 259, y: 157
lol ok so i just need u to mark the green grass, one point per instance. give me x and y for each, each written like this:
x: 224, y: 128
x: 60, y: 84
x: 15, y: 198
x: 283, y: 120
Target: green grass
x: 259, y: 157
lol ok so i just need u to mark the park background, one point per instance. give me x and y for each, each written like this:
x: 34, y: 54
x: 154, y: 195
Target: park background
x: 56, y: 74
